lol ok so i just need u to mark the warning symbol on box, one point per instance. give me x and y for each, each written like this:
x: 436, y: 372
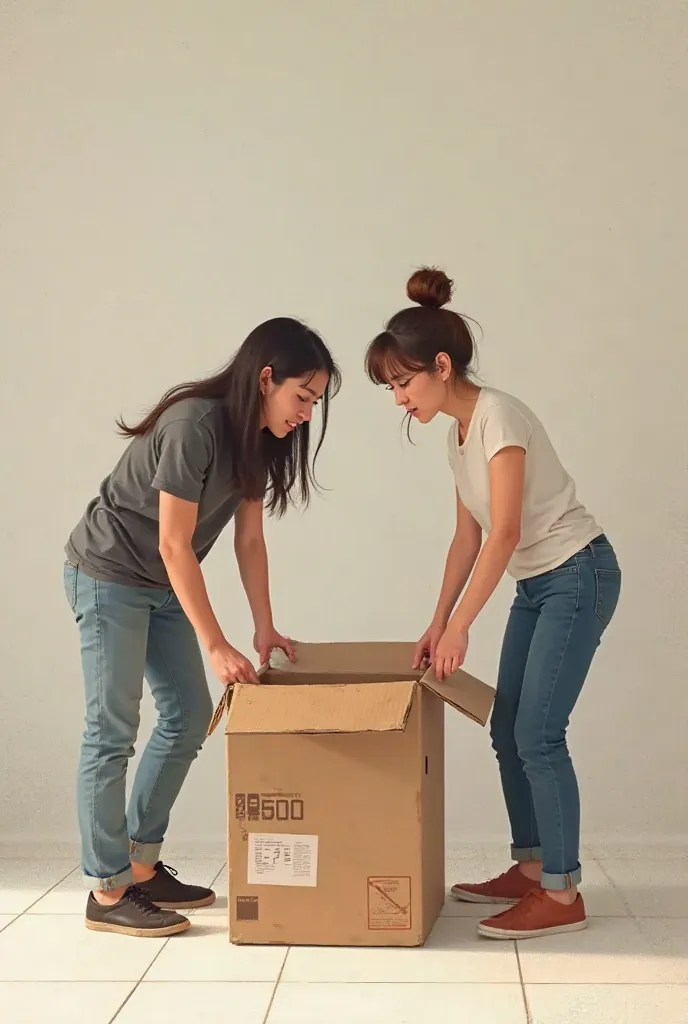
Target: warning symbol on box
x: 389, y: 903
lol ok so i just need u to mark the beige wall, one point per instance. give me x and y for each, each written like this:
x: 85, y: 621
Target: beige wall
x: 172, y: 173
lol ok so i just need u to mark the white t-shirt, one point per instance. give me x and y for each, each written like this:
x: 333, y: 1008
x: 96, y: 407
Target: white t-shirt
x: 554, y: 524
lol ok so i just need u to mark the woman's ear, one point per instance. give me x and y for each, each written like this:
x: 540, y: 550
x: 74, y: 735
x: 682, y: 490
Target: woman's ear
x: 444, y: 365
x: 265, y: 379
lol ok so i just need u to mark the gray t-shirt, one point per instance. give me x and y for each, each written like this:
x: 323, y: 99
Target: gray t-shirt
x: 188, y: 455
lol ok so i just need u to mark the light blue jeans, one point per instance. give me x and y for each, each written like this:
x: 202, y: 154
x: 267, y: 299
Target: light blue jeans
x: 555, y: 627
x: 126, y: 633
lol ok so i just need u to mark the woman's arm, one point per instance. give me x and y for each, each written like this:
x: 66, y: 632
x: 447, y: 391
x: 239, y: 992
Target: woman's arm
x: 507, y: 478
x: 177, y: 522
x: 252, y: 558
x: 463, y: 553
x: 461, y: 557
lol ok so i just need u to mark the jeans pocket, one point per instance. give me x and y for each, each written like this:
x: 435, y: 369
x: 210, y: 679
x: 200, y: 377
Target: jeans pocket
x: 607, y: 590
x: 70, y: 577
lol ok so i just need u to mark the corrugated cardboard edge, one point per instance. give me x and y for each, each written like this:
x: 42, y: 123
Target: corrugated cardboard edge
x: 225, y: 700
x: 464, y: 693
x: 218, y: 713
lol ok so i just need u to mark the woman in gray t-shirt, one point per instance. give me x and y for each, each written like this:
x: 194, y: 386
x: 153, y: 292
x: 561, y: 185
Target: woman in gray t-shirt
x: 220, y: 448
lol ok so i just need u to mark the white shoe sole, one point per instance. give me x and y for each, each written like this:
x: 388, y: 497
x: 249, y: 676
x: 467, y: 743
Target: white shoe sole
x: 463, y: 896
x: 492, y: 932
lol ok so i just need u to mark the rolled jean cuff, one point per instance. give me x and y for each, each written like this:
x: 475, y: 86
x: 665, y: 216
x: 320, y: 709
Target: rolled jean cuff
x: 560, y: 883
x: 144, y: 853
x: 108, y: 884
x: 522, y: 854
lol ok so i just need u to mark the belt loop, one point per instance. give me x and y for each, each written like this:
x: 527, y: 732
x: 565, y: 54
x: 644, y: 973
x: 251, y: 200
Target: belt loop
x: 591, y: 546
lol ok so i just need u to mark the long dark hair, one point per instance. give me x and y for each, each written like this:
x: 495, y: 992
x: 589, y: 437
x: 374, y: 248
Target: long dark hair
x: 414, y: 337
x: 263, y: 465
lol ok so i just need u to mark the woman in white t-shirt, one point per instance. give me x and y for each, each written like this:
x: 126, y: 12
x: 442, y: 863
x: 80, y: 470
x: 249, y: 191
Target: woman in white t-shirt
x: 512, y: 488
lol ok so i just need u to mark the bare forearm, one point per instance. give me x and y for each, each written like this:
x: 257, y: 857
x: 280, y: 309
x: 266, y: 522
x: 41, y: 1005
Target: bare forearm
x: 489, y: 569
x: 460, y: 561
x: 188, y: 584
x: 252, y: 559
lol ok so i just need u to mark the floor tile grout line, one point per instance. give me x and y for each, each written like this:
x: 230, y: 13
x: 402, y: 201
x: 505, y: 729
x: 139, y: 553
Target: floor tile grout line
x: 141, y: 979
x: 155, y: 958
x: 212, y: 886
x: 276, y: 986
x: 636, y: 918
x: 378, y: 984
x: 124, y: 1003
x: 618, y: 892
x: 47, y: 892
x: 69, y: 913
x: 443, y: 917
x: 214, y: 881
x: 524, y: 995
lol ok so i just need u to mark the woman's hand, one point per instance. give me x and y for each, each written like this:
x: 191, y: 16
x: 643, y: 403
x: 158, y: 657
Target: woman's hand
x: 266, y: 640
x: 450, y: 652
x: 230, y: 666
x: 426, y: 646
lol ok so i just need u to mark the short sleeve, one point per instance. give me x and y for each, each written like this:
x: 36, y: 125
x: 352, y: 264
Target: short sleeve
x: 186, y: 450
x: 504, y: 427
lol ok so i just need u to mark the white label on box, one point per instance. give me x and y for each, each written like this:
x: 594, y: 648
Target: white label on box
x: 282, y: 859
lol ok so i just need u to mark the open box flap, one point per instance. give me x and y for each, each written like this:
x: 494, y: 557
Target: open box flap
x: 327, y: 708
x: 378, y: 662
x: 464, y: 692
x: 352, y: 663
x: 364, y: 662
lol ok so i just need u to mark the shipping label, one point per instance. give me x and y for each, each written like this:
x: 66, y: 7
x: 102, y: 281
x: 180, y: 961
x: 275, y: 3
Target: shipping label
x: 282, y: 859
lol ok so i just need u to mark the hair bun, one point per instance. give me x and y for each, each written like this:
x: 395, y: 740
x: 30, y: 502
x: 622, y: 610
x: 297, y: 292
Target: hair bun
x: 430, y: 286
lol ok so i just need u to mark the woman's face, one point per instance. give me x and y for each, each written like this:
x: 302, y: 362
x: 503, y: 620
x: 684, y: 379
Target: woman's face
x: 421, y: 394
x: 289, y: 404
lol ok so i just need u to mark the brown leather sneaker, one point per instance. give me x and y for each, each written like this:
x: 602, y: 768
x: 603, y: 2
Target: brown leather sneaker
x: 535, y: 915
x: 135, y: 915
x: 166, y: 891
x: 509, y: 887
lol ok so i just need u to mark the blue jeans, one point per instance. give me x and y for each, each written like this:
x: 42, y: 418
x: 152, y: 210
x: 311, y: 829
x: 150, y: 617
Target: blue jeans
x: 127, y: 632
x: 555, y: 627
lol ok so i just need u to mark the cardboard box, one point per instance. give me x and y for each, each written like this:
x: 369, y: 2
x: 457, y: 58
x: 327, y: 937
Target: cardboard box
x: 336, y: 797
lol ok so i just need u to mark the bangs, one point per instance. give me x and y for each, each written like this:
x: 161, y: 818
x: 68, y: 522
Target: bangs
x: 385, y: 362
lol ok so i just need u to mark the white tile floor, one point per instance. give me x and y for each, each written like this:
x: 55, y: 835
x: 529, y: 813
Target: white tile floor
x: 630, y: 965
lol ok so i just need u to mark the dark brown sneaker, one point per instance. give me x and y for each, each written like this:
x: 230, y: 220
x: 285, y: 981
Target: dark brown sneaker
x: 134, y: 914
x: 167, y: 892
